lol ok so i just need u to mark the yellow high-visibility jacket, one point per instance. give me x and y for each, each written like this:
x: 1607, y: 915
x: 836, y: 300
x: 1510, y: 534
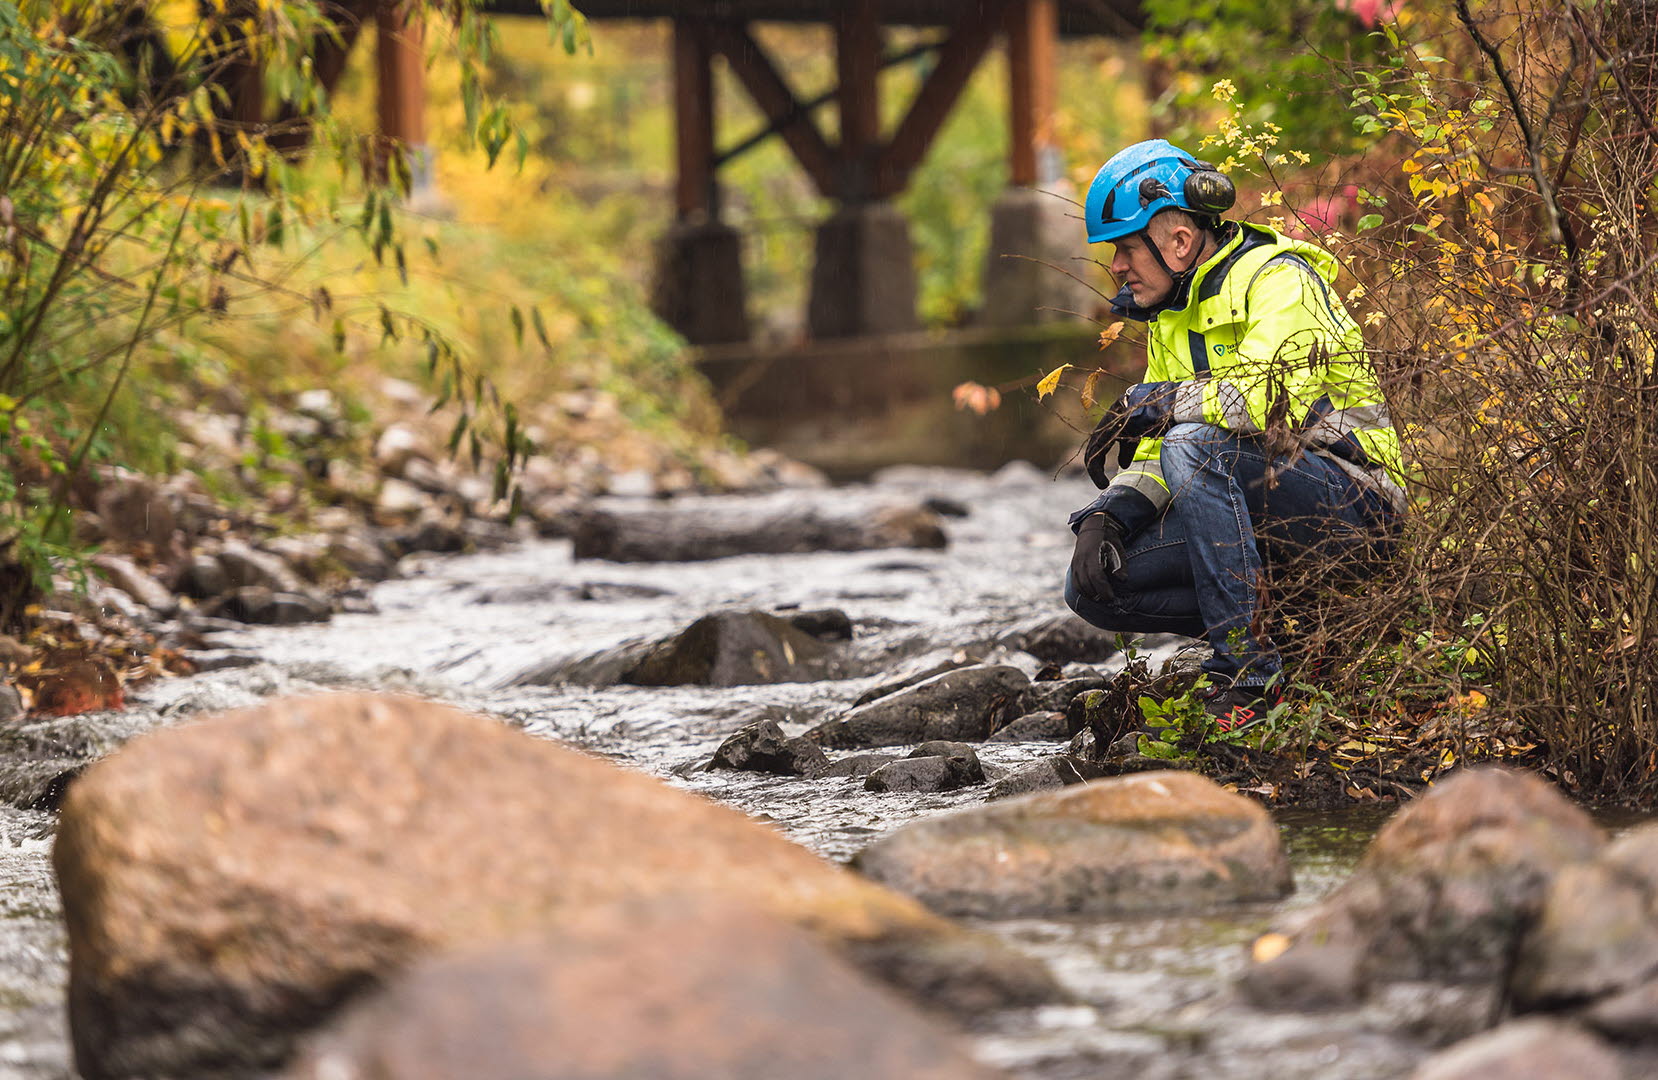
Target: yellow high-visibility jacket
x: 1262, y: 334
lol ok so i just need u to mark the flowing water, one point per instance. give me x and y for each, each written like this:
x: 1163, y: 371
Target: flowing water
x: 1153, y: 994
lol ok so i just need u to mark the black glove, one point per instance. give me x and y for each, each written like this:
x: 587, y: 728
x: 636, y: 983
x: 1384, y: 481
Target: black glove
x: 1106, y: 434
x: 1099, y: 557
x: 1147, y: 409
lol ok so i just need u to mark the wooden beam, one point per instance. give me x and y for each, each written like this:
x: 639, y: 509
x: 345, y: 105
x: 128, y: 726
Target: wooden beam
x: 969, y: 40
x: 857, y: 64
x: 1032, y: 33
x: 400, y: 63
x: 757, y: 74
x: 694, y: 192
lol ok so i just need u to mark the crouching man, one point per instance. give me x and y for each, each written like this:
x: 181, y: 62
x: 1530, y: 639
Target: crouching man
x: 1259, y: 436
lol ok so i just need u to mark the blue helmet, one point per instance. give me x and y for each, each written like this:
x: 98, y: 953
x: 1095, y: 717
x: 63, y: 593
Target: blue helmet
x: 1146, y: 178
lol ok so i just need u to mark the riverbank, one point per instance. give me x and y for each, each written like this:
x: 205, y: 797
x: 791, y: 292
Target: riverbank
x: 1157, y: 991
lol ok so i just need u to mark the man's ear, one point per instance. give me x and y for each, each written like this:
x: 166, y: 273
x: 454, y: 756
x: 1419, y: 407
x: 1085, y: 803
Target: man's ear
x: 1183, y: 238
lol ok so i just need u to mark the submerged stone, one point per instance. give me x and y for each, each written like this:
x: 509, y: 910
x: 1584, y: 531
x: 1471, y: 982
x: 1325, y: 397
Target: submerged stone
x: 1157, y: 842
x: 962, y: 705
x: 763, y: 747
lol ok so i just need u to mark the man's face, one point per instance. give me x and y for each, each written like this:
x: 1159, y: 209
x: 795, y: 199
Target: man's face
x: 1136, y: 266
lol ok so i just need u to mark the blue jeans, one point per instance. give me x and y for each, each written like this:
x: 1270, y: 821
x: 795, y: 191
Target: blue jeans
x: 1198, y: 569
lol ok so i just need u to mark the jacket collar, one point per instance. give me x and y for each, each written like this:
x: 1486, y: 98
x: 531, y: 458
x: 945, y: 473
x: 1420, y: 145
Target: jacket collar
x: 1236, y: 235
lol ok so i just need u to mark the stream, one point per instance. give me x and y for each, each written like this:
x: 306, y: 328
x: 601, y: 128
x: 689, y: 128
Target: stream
x: 1154, y: 993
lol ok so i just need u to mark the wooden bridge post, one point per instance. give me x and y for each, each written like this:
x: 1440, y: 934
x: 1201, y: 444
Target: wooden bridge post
x: 400, y: 63
x: 698, y: 287
x: 863, y: 272
x: 1032, y: 269
x: 1032, y: 40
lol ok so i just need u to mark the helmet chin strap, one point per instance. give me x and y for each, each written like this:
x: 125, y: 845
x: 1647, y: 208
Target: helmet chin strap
x: 1123, y: 303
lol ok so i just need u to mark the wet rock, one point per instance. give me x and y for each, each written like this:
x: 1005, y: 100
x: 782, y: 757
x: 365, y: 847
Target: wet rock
x: 945, y: 507
x: 397, y: 500
x: 919, y: 670
x: 201, y: 577
x: 306, y: 556
x: 1031, y: 727
x: 132, y: 509
x: 395, y: 448
x: 435, y: 533
x: 1159, y: 842
x: 205, y: 660
x: 858, y: 765
x: 11, y: 703
x: 1533, y: 1049
x: 227, y: 884
x: 1445, y: 891
x: 245, y: 566
x: 130, y: 578
x: 763, y: 747
x: 933, y: 766
x: 825, y: 624
x: 691, y: 534
x: 727, y: 648
x: 964, y: 705
x: 1043, y: 774
x: 921, y: 774
x: 733, y: 648
x: 1595, y: 943
x: 1062, y: 639
x: 728, y: 994
x: 1059, y: 696
x: 362, y: 556
x: 259, y: 605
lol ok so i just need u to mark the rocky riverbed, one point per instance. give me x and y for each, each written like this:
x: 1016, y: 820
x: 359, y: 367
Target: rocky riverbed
x: 880, y: 650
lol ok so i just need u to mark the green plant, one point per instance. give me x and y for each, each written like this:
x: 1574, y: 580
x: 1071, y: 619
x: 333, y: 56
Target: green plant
x: 117, y: 230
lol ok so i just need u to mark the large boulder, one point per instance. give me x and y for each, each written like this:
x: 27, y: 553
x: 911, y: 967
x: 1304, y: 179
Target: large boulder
x: 1595, y: 945
x: 228, y: 884
x: 1157, y: 842
x: 665, y: 994
x: 1533, y: 1049
x: 965, y: 705
x: 1444, y: 893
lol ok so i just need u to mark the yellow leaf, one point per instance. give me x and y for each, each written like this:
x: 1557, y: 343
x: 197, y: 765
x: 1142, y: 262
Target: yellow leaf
x: 1050, y: 381
x: 1088, y: 385
x: 1110, y: 334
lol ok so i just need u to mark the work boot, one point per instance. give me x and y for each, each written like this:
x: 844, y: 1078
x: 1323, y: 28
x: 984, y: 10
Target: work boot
x: 1235, y: 707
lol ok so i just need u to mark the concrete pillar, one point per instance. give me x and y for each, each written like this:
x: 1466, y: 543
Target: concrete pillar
x: 699, y: 282
x: 863, y: 277
x: 1036, y: 260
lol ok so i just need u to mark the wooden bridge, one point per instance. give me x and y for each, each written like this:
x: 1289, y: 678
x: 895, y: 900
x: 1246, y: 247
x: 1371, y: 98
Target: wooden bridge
x: 863, y: 281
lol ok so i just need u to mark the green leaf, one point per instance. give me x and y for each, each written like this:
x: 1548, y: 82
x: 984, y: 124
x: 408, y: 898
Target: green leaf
x: 1369, y: 221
